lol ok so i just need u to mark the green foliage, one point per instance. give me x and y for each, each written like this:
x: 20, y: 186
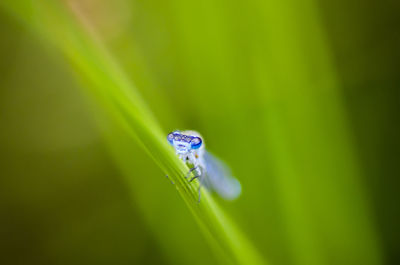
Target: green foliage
x: 257, y: 80
x: 109, y: 84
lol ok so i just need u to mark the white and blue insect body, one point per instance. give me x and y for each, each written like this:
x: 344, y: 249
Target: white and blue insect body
x: 212, y: 173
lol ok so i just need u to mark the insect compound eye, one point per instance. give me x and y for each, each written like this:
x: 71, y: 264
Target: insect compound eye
x: 196, y: 142
x: 170, y: 138
x: 186, y: 138
x: 177, y: 137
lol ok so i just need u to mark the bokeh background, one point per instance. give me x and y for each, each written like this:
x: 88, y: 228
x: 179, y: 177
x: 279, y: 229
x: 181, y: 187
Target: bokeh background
x: 300, y: 98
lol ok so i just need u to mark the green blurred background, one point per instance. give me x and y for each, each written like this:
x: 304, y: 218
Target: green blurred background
x: 301, y: 99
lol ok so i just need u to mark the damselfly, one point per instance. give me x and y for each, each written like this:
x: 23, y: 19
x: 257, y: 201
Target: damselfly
x: 211, y: 172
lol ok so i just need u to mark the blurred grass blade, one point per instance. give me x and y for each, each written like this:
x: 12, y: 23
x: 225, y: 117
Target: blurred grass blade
x: 107, y: 82
x: 316, y: 171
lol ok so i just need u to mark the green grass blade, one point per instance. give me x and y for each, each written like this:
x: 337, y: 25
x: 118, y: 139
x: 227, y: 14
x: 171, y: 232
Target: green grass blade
x: 108, y: 83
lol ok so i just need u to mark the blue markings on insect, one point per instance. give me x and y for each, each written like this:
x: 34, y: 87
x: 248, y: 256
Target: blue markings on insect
x: 211, y: 172
x: 196, y: 142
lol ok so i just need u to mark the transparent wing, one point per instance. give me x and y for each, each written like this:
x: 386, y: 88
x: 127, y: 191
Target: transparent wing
x: 219, y: 178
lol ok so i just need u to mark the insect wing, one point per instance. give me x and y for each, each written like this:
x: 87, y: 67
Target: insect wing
x: 219, y: 178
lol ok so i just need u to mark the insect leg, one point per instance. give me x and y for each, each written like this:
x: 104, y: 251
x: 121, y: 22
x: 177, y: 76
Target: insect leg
x: 190, y: 171
x: 195, y: 177
x: 198, y: 173
x: 200, y: 181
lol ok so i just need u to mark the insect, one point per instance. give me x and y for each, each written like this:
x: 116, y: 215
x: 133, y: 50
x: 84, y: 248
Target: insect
x: 211, y: 172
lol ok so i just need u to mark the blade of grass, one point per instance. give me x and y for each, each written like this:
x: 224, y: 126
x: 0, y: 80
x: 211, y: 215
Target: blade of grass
x: 308, y: 134
x: 108, y: 83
